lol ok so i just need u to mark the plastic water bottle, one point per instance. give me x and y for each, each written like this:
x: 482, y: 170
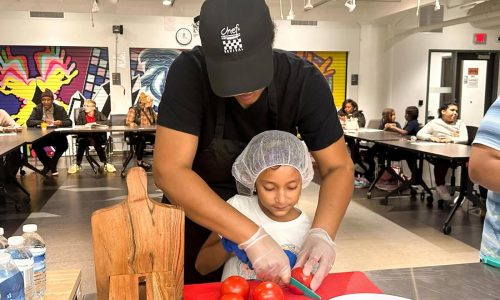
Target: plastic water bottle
x: 3, y: 242
x: 23, y: 259
x: 11, y: 280
x: 36, y: 245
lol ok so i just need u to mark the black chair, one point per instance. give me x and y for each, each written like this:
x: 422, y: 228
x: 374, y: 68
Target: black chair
x: 123, y: 138
x: 359, y: 148
x: 94, y: 164
x: 385, y: 165
x: 471, y: 135
x: 116, y: 137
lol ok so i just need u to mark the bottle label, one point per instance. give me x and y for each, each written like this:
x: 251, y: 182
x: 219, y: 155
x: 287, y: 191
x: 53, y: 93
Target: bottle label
x: 12, y: 288
x: 39, y: 257
x: 26, y: 268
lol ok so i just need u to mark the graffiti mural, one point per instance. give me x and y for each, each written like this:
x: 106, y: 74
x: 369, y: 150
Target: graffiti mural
x: 72, y: 73
x: 149, y: 68
x: 148, y: 71
x: 333, y: 65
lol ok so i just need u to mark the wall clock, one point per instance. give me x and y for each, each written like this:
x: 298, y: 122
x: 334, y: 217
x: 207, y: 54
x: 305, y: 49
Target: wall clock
x: 183, y: 36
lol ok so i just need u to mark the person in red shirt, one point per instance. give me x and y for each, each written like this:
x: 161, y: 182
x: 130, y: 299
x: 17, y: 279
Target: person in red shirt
x: 90, y: 114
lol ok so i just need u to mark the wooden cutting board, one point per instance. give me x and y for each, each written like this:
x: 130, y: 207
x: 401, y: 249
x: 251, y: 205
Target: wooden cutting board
x: 138, y: 236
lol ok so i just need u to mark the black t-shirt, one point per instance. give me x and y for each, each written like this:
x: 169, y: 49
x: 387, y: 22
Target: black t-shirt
x: 412, y: 127
x: 304, y: 100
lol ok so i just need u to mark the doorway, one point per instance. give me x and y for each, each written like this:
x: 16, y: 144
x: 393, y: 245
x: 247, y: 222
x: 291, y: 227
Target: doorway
x: 469, y: 78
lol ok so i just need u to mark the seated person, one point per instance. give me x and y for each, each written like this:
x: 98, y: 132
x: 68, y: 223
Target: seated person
x: 90, y: 114
x: 446, y: 129
x: 388, y: 120
x: 411, y: 128
x: 350, y: 110
x: 270, y: 174
x: 388, y: 123
x: 53, y: 115
x: 6, y: 122
x: 142, y: 114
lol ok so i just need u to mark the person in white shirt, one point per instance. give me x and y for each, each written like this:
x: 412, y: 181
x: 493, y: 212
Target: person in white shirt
x: 6, y: 120
x: 270, y: 174
x: 446, y: 129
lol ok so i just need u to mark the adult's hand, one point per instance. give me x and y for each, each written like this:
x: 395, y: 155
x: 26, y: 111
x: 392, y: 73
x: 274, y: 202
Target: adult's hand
x: 318, y: 248
x: 267, y: 257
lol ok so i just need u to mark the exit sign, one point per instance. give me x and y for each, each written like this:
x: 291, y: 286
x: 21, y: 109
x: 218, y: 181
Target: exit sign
x: 479, y: 38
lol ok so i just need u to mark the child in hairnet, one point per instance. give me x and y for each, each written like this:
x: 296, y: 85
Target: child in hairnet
x: 270, y: 174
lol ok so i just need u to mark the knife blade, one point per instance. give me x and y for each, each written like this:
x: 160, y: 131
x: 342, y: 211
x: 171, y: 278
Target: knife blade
x: 307, y: 292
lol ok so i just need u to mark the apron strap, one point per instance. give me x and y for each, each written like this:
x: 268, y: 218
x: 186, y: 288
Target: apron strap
x: 221, y: 118
x: 273, y: 103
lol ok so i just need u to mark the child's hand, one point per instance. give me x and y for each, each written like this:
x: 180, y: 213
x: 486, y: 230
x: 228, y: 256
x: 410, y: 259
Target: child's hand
x: 231, y: 247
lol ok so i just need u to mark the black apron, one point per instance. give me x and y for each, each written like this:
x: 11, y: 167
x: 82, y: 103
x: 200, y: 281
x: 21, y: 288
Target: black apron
x: 214, y: 164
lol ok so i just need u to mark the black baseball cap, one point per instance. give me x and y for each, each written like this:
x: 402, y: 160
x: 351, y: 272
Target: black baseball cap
x: 237, y: 38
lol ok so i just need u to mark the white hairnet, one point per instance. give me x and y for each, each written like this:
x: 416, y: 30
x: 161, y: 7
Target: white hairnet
x: 268, y: 149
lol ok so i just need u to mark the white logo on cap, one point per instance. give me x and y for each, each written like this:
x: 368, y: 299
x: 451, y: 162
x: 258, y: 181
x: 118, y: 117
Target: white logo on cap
x: 231, y: 39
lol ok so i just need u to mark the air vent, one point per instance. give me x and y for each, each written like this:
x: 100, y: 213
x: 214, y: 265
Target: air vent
x: 47, y: 14
x: 428, y: 16
x: 304, y: 23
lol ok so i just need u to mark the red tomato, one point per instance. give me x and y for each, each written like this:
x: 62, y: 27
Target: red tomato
x: 268, y: 291
x: 231, y: 297
x: 302, y: 278
x: 235, y: 285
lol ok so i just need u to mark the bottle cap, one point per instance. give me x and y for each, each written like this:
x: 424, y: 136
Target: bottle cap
x: 4, y: 258
x: 15, y: 240
x: 30, y: 228
x: 1, y: 231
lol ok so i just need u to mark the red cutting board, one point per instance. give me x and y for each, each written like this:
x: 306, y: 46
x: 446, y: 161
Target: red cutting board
x: 335, y: 284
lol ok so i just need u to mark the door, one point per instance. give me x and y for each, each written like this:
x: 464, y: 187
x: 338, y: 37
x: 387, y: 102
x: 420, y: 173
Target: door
x: 473, y: 91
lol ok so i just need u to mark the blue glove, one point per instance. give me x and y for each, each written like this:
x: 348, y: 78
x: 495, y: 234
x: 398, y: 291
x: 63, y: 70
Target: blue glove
x: 291, y: 257
x: 231, y: 247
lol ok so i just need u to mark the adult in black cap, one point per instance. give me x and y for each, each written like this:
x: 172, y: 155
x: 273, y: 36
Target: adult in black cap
x: 53, y: 115
x: 217, y: 97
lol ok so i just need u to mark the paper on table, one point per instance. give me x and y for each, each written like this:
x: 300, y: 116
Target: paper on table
x: 426, y: 143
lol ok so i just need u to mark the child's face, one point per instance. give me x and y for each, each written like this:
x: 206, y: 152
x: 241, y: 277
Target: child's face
x: 278, y: 190
x: 450, y: 114
x: 393, y: 117
x: 348, y: 108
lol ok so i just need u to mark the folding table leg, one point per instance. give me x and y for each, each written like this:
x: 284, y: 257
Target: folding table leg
x: 463, y: 193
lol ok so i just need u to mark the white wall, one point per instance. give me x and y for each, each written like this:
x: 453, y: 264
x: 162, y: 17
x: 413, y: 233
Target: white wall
x: 374, y: 71
x: 159, y: 32
x: 410, y: 59
x: 392, y: 72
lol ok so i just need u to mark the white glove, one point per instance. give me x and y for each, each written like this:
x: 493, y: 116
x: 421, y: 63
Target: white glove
x: 268, y: 258
x: 318, y: 248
